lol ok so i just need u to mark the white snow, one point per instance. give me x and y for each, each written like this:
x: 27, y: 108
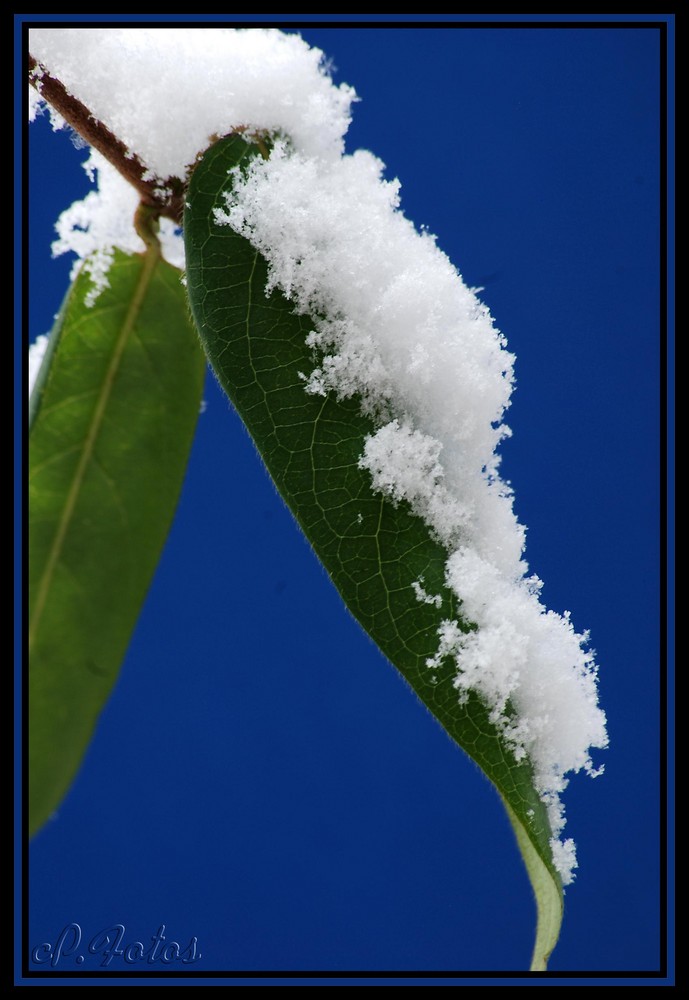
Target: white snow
x: 37, y: 106
x: 400, y: 330
x: 198, y: 83
x: 104, y: 219
x: 422, y: 594
x: 36, y: 354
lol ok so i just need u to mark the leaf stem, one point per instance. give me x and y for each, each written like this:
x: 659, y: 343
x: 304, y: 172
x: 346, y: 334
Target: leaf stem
x: 165, y: 195
x: 547, y: 892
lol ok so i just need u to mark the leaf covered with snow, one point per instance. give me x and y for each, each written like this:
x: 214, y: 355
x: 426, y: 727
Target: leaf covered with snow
x: 370, y: 493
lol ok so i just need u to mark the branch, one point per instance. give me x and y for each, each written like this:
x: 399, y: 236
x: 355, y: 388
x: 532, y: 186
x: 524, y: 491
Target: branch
x: 165, y: 196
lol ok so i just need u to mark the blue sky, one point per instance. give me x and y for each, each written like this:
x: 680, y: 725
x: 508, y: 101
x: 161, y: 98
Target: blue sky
x: 261, y: 778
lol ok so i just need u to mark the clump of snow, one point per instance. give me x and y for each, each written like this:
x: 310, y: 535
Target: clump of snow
x: 537, y: 662
x: 198, y: 83
x: 397, y: 328
x: 564, y: 857
x: 38, y: 106
x: 404, y: 465
x: 422, y: 594
x: 400, y: 330
x: 104, y: 219
x: 36, y: 354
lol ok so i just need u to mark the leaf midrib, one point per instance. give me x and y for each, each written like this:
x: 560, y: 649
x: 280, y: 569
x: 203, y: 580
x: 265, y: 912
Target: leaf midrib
x: 150, y: 260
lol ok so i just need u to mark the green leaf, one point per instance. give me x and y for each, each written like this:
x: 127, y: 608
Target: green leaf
x: 112, y: 422
x: 372, y: 549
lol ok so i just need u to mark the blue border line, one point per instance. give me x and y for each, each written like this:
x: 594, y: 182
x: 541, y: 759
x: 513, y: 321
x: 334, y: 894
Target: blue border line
x: 292, y: 20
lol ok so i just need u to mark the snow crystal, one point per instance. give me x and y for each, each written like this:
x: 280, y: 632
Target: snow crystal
x: 397, y: 328
x: 422, y: 594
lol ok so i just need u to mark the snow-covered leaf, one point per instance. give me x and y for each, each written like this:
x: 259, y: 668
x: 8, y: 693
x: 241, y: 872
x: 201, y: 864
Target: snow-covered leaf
x: 382, y: 557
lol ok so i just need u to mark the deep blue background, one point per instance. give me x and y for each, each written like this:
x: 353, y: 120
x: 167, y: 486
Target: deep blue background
x: 261, y: 778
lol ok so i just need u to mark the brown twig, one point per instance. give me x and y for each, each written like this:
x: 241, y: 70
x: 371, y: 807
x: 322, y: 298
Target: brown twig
x: 165, y: 196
